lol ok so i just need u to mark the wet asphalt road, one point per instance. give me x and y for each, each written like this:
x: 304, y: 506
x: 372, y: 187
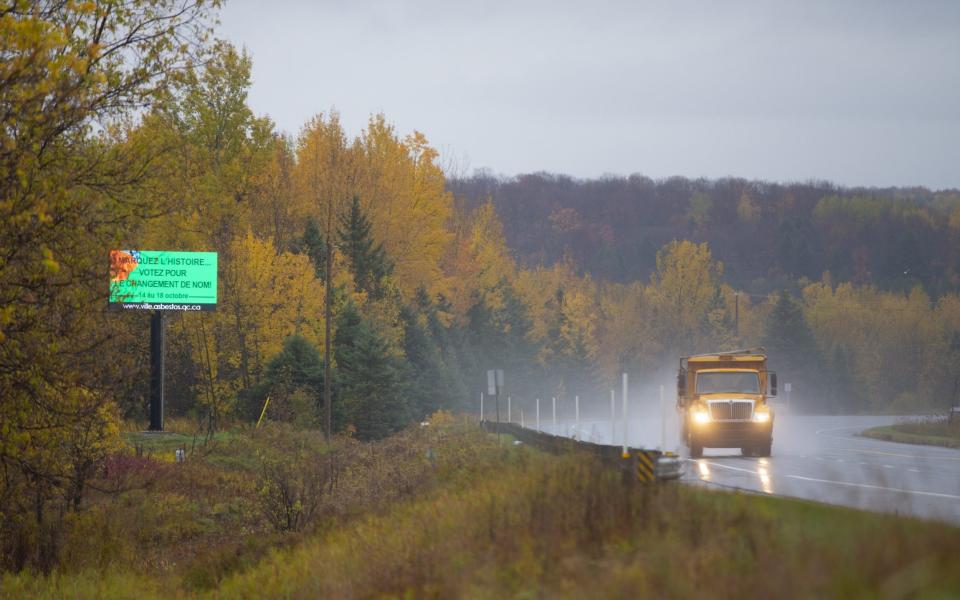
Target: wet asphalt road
x: 818, y: 458
x: 823, y: 459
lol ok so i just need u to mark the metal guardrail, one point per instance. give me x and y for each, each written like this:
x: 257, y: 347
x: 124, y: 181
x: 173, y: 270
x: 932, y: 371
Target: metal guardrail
x: 649, y: 465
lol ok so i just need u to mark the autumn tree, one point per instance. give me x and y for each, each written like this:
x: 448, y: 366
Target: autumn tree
x: 684, y: 290
x: 70, y: 74
x: 402, y: 189
x: 326, y: 172
x: 266, y: 298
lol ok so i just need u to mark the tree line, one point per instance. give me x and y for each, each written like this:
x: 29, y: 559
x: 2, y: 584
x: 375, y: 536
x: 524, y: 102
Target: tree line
x: 770, y: 235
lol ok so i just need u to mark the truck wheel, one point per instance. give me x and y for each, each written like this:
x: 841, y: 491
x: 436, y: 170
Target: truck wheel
x: 696, y: 450
x: 749, y: 450
x: 764, y: 449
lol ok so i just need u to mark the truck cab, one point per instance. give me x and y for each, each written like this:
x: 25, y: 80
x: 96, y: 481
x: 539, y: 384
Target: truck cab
x: 723, y: 402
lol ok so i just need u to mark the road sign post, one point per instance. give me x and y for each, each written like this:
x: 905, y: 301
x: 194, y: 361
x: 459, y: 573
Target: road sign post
x: 156, y: 371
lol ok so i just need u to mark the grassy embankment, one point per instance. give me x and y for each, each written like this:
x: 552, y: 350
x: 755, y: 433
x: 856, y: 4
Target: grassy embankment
x: 443, y: 512
x: 932, y: 432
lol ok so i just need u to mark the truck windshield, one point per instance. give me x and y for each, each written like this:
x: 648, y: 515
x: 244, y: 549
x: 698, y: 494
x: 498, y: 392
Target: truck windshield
x: 728, y: 383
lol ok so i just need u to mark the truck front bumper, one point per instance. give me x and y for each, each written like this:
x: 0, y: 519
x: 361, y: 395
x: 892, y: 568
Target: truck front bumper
x: 731, y: 434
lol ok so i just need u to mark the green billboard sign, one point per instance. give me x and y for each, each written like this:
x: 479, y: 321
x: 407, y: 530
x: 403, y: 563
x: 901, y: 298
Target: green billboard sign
x: 160, y: 280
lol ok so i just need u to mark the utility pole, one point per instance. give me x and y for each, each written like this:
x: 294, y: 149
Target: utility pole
x: 327, y: 317
x: 736, y: 313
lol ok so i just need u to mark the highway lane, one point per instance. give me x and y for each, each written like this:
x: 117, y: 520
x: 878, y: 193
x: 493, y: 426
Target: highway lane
x: 823, y: 459
x: 818, y: 458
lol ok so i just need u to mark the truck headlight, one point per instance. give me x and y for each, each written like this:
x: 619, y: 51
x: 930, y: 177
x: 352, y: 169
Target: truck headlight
x: 761, y: 417
x: 701, y: 416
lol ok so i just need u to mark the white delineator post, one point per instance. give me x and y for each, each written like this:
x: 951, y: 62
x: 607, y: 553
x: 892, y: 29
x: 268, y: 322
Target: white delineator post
x: 509, y: 410
x: 613, y: 416
x: 624, y: 415
x: 663, y: 422
x: 576, y: 404
x: 554, y: 432
x: 538, y: 414
x: 481, y: 407
x: 522, y: 424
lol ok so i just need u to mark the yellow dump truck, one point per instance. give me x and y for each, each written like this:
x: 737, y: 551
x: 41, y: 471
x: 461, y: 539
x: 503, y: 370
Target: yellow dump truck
x: 723, y: 401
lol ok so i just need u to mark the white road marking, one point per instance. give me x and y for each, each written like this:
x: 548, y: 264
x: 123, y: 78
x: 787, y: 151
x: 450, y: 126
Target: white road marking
x: 921, y: 456
x: 814, y: 479
x: 914, y: 470
x: 889, y: 467
x: 721, y: 466
x: 875, y: 487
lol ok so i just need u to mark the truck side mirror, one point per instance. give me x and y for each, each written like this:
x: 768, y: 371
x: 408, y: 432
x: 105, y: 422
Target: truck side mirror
x: 773, y: 384
x: 681, y: 387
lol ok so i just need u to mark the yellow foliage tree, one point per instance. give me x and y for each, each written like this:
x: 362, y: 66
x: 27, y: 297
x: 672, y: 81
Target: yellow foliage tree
x: 265, y: 297
x: 403, y: 191
x: 682, y: 290
x: 627, y: 339
x: 476, y: 261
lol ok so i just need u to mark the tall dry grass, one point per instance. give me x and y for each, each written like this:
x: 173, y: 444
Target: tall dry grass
x: 444, y: 511
x: 541, y: 526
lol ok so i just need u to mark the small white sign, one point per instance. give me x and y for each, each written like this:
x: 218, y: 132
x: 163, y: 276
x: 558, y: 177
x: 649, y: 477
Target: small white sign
x: 787, y: 387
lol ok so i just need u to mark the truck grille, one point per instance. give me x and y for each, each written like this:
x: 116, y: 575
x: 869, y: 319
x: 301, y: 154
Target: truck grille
x: 731, y: 410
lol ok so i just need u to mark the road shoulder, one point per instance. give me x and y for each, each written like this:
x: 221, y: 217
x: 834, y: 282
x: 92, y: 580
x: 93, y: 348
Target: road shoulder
x: 889, y: 433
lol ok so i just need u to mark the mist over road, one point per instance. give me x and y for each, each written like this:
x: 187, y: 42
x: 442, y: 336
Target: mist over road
x: 819, y: 458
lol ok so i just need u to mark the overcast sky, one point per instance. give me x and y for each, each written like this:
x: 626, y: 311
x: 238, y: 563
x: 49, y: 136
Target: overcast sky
x: 855, y: 92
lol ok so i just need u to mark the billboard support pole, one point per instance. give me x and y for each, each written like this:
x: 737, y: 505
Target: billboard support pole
x: 156, y: 371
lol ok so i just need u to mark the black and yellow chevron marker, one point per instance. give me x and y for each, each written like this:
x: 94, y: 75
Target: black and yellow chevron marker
x: 646, y: 462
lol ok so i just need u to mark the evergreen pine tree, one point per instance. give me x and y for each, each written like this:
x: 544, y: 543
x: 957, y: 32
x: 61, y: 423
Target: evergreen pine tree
x: 370, y: 381
x: 368, y: 260
x: 498, y: 339
x: 843, y: 389
x: 451, y: 343
x: 432, y: 386
x: 314, y: 246
x: 294, y: 383
x: 792, y: 350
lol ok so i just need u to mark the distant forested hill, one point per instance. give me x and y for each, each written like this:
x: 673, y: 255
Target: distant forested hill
x: 767, y: 235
